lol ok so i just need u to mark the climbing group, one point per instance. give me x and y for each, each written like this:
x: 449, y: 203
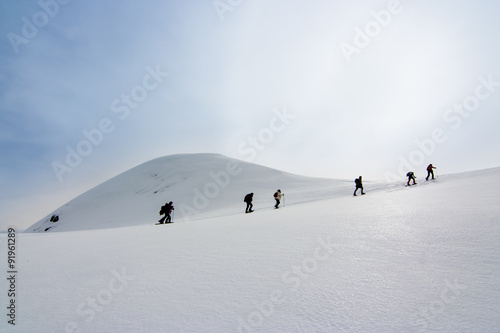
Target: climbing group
x: 249, y: 198
x: 168, y: 208
x: 411, y: 175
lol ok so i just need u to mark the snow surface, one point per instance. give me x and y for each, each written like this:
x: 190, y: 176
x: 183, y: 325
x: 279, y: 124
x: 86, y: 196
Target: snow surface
x: 399, y: 259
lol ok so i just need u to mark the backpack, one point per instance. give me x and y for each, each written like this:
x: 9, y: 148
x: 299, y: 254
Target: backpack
x: 162, y: 209
x: 275, y: 194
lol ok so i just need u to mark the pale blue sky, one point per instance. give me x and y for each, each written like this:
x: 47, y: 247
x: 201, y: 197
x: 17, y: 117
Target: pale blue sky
x: 231, y: 69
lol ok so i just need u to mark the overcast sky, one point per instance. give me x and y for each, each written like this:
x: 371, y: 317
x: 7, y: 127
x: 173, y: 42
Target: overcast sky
x: 324, y: 88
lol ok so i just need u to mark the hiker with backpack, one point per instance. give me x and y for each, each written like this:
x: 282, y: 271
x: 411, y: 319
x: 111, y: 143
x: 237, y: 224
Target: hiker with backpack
x: 411, y: 176
x: 430, y: 171
x: 167, y: 210
x: 248, y: 200
x: 277, y: 197
x: 359, y: 185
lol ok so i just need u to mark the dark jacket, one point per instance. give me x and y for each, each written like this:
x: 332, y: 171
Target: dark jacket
x: 358, y: 182
x: 248, y: 197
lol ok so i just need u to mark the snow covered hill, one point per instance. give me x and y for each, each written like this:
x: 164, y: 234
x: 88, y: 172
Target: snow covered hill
x: 424, y: 258
x: 200, y: 185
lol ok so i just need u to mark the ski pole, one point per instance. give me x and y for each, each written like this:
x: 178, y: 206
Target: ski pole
x: 284, y: 203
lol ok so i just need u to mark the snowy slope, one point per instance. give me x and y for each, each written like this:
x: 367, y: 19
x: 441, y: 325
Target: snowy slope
x: 415, y: 259
x: 200, y: 185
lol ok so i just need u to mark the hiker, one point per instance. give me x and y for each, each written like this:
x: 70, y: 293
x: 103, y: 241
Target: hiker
x: 359, y: 185
x: 277, y: 197
x: 167, y: 210
x: 430, y: 171
x: 411, y: 176
x: 248, y: 199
